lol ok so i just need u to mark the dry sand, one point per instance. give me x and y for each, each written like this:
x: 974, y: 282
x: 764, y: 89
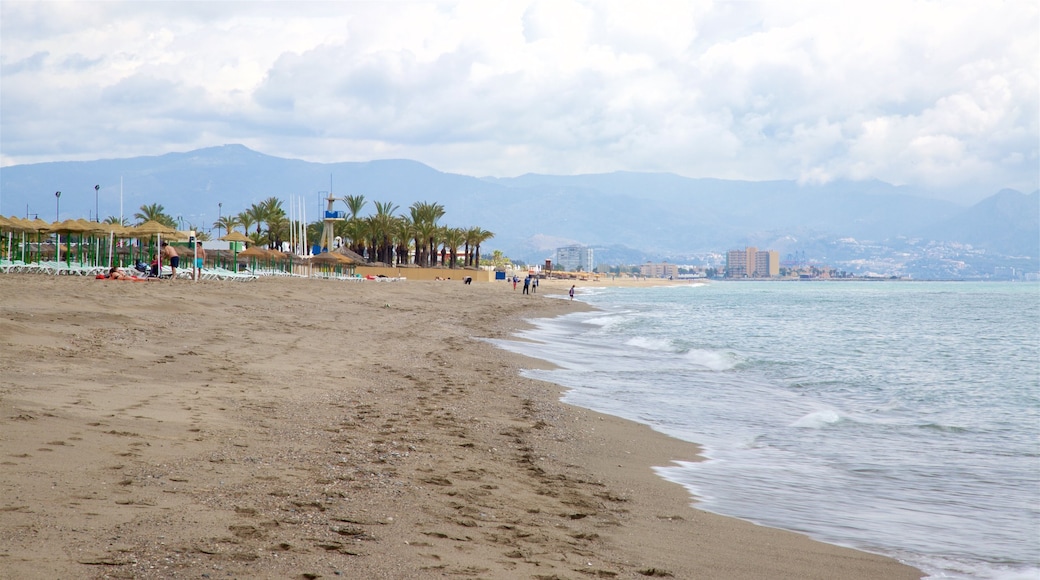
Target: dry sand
x: 290, y: 428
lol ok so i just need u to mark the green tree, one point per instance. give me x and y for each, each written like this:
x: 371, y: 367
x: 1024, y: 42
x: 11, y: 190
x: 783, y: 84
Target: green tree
x: 155, y: 212
x: 403, y: 234
x: 257, y: 214
x: 244, y: 219
x: 452, y: 238
x: 274, y: 217
x: 355, y: 235
x: 381, y: 228
x: 498, y: 259
x: 425, y: 215
x: 200, y: 234
x: 479, y: 236
x: 227, y: 223
x: 354, y: 203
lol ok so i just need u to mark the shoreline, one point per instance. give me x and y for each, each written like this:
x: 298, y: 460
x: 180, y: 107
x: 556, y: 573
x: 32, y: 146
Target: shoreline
x: 308, y: 428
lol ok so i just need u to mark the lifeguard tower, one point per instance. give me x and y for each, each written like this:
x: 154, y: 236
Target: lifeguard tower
x: 327, y: 229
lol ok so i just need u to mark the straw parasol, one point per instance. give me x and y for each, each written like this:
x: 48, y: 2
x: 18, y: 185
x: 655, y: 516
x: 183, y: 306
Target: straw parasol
x: 69, y: 226
x: 354, y: 257
x: 254, y: 253
x: 151, y: 228
x: 332, y: 260
x: 235, y: 236
x: 11, y: 226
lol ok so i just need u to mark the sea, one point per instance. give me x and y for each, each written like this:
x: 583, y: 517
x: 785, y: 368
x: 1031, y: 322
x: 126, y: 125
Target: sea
x: 897, y: 417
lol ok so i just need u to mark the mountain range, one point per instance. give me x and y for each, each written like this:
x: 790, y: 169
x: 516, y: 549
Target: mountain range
x: 860, y: 226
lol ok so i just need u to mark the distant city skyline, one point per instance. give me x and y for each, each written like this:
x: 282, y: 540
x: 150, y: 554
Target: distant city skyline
x: 937, y: 95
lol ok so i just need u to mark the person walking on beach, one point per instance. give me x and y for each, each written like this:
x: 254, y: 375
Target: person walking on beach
x: 515, y: 280
x: 527, y: 284
x: 534, y: 285
x: 169, y: 253
x: 571, y: 293
x: 200, y: 259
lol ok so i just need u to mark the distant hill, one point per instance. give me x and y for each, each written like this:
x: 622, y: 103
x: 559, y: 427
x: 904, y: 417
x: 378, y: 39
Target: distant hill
x: 1006, y: 223
x: 653, y: 215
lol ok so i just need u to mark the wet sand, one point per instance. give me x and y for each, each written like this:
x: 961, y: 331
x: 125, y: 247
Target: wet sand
x: 289, y: 428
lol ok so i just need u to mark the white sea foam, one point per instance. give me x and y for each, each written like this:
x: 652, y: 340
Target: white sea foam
x: 647, y: 343
x: 818, y: 419
x: 711, y: 360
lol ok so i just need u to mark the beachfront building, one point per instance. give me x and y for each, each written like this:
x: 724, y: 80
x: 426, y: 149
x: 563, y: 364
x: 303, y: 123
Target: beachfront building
x: 662, y: 270
x: 574, y: 259
x: 752, y: 263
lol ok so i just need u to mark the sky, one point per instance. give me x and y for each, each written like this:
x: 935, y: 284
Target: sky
x: 940, y: 96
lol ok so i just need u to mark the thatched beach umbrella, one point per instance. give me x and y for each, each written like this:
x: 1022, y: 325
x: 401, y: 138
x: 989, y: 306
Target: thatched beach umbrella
x: 235, y: 236
x: 39, y: 226
x: 152, y: 228
x: 254, y: 253
x: 69, y: 226
x: 331, y: 261
x: 355, y: 258
x: 11, y: 228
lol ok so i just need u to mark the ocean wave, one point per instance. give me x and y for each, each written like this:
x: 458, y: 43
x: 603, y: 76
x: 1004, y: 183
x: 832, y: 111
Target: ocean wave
x: 818, y: 419
x: 648, y: 343
x: 711, y: 360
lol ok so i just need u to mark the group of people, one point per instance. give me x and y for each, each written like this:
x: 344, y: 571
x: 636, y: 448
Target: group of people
x: 531, y: 285
x: 166, y: 254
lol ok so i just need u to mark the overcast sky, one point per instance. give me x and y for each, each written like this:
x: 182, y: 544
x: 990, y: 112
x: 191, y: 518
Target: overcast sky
x: 941, y: 95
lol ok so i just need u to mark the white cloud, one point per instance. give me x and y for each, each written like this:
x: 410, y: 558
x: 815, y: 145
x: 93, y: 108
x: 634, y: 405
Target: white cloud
x: 942, y: 95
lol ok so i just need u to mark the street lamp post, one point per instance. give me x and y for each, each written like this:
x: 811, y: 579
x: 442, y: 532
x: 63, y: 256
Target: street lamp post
x: 57, y: 205
x: 220, y: 213
x: 97, y: 216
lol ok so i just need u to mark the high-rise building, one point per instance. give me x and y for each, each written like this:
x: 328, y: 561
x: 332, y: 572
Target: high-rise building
x: 752, y: 263
x: 574, y: 259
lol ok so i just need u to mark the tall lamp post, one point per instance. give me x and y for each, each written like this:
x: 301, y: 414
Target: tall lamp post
x: 97, y: 216
x: 57, y: 205
x: 220, y: 213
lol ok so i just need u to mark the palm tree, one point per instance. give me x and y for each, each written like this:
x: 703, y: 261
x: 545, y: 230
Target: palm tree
x: 381, y: 231
x: 154, y: 212
x: 258, y: 215
x: 452, y: 239
x: 479, y: 237
x: 424, y: 250
x: 245, y: 220
x: 425, y: 216
x: 356, y: 231
x: 354, y: 204
x: 471, y: 242
x: 273, y: 215
x: 200, y: 234
x: 314, y: 232
x: 498, y: 259
x: 277, y: 229
x: 115, y: 220
x: 403, y: 234
x: 228, y: 222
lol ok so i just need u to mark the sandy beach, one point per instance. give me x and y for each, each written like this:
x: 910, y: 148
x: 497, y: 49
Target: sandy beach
x: 293, y: 428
